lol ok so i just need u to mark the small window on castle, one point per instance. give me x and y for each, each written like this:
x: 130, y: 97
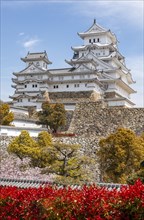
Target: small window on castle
x: 98, y: 40
x: 89, y: 40
x: 21, y: 100
x: 33, y: 85
x: 28, y: 100
x: 43, y: 64
x: 94, y: 40
x: 67, y: 86
x: 37, y: 63
x: 54, y: 87
x: 57, y: 86
x: 25, y: 86
x: 86, y: 85
x: 76, y: 85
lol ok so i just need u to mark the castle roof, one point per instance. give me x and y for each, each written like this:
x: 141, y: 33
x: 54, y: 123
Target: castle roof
x: 37, y: 57
x: 95, y: 30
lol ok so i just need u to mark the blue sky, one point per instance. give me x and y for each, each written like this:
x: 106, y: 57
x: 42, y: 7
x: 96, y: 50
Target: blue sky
x: 53, y: 25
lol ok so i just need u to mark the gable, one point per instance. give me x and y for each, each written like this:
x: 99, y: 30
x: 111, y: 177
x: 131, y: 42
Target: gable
x: 95, y: 28
x: 99, y: 63
x: 32, y: 69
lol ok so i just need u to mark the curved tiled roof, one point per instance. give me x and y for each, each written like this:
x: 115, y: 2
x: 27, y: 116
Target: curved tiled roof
x: 23, y: 183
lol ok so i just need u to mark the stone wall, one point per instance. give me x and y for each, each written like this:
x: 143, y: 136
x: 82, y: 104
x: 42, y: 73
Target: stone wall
x: 95, y: 119
x: 13, y: 167
x: 73, y: 97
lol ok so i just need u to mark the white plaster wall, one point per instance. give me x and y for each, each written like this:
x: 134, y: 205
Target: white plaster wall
x: 19, y: 110
x: 122, y: 92
x: 104, y: 39
x: 73, y: 87
x: 23, y: 123
x: 13, y: 131
x: 119, y: 103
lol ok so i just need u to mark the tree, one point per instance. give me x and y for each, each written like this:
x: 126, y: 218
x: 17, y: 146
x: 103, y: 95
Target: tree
x: 119, y: 155
x: 67, y: 163
x: 42, y: 157
x: 23, y: 146
x: 6, y: 117
x: 135, y: 176
x: 52, y: 115
x: 64, y: 160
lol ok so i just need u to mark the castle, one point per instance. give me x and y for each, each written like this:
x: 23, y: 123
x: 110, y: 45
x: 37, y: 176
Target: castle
x: 97, y: 72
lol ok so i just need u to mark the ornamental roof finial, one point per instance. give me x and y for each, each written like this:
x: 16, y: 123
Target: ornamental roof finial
x: 94, y: 21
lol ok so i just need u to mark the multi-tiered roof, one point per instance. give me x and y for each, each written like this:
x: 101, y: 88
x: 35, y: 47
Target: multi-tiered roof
x: 97, y: 67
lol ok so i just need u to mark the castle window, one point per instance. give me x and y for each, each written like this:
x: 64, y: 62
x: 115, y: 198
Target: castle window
x: 55, y: 86
x: 76, y: 85
x: 25, y: 86
x: 37, y: 63
x: 98, y: 40
x: 33, y: 85
x: 89, y: 40
x: 28, y: 100
x: 67, y: 86
x: 60, y: 77
x: 43, y: 64
x: 94, y: 40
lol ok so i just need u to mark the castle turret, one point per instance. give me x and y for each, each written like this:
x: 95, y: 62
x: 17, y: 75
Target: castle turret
x: 31, y: 83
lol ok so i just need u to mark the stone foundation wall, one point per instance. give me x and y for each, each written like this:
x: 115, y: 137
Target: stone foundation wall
x: 73, y: 97
x: 95, y: 119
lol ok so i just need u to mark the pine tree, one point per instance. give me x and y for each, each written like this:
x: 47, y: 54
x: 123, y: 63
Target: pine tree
x: 119, y: 155
x: 23, y: 146
x: 6, y: 117
x: 52, y: 115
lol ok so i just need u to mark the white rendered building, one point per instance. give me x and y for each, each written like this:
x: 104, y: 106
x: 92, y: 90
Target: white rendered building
x: 97, y: 72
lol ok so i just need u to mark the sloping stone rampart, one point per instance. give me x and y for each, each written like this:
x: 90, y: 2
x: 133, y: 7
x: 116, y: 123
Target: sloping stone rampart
x: 98, y: 120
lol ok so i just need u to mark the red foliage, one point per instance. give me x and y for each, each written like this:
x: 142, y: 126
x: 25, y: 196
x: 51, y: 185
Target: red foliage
x: 63, y: 134
x: 87, y: 203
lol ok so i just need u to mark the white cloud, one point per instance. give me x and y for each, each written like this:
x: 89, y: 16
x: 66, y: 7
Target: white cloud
x: 135, y: 63
x: 29, y: 44
x: 21, y: 33
x: 128, y: 11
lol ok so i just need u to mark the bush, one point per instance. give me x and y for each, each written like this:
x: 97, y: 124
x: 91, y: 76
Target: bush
x: 87, y: 203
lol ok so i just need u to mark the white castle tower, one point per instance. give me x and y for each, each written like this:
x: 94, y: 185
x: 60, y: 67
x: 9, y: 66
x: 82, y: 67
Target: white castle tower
x: 97, y: 72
